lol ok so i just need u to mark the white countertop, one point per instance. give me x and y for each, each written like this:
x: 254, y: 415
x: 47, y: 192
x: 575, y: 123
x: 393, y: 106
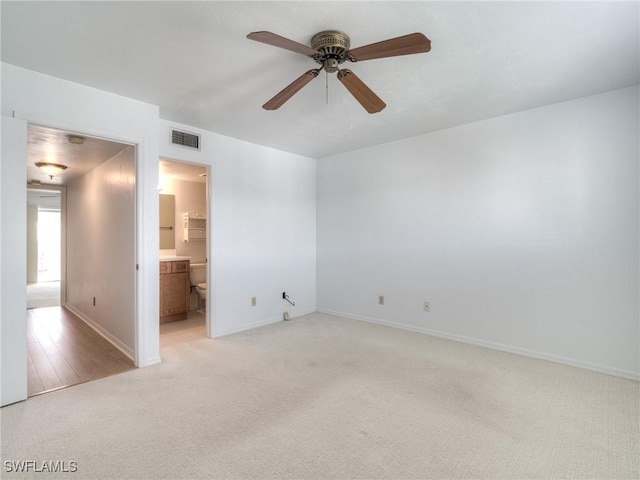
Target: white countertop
x: 175, y: 258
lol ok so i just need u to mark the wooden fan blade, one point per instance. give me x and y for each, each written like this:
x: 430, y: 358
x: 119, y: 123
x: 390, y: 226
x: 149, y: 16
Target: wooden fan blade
x: 405, y: 45
x: 278, y: 41
x: 363, y: 94
x: 290, y: 90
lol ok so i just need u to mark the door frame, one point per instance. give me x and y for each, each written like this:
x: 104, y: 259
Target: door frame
x: 14, y: 258
x: 126, y: 142
x: 209, y: 319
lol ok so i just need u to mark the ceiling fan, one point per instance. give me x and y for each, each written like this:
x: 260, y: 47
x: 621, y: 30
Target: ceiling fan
x: 330, y: 48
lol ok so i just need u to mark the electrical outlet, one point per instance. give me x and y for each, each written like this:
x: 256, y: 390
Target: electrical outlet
x: 253, y: 301
x: 286, y: 316
x: 380, y: 299
x: 427, y: 306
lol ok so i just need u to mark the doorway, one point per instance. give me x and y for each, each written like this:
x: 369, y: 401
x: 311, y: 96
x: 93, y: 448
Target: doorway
x: 44, y: 246
x: 184, y: 199
x: 81, y: 221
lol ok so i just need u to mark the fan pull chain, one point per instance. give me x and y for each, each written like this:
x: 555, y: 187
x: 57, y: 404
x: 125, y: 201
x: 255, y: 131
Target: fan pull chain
x: 326, y: 76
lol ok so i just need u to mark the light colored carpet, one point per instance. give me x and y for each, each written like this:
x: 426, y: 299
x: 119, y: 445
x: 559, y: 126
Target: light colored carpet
x: 326, y: 397
x: 43, y: 295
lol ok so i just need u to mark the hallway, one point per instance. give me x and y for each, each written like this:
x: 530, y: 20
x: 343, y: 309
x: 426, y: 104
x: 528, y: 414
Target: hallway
x: 63, y: 351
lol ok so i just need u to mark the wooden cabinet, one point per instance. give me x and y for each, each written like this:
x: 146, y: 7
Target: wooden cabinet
x: 175, y: 289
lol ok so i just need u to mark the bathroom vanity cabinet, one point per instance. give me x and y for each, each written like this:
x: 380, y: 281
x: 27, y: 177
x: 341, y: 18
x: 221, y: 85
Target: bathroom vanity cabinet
x: 175, y: 289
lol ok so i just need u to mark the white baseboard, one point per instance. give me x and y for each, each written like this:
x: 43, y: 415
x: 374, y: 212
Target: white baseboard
x: 244, y: 328
x: 151, y: 361
x: 261, y: 323
x: 302, y: 313
x: 495, y: 346
x: 126, y: 350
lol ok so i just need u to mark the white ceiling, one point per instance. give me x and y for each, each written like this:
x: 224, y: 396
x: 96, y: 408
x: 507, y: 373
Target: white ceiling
x: 185, y: 172
x: 49, y: 145
x: 194, y: 61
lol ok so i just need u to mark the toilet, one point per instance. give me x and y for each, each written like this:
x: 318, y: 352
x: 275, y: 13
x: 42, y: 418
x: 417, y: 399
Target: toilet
x: 198, y: 277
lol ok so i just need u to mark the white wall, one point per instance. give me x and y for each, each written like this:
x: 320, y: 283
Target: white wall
x: 262, y: 229
x: 101, y: 249
x: 49, y: 101
x: 13, y: 277
x: 522, y: 232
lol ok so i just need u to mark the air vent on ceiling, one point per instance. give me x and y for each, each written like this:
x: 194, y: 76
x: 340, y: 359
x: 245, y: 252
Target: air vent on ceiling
x: 185, y: 139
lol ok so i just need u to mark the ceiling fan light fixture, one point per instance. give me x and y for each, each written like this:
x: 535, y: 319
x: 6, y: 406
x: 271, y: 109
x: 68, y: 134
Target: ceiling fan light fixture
x: 51, y: 169
x: 330, y: 48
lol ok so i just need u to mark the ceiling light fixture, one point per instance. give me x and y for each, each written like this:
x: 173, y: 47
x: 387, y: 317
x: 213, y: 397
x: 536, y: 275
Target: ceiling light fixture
x: 51, y: 169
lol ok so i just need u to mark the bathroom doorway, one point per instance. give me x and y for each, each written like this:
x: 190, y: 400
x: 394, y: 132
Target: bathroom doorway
x: 183, y: 200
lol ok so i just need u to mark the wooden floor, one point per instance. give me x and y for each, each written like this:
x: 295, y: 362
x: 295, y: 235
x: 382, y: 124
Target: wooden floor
x: 63, y: 350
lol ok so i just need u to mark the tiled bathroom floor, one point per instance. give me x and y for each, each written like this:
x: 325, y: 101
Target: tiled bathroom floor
x: 183, y: 331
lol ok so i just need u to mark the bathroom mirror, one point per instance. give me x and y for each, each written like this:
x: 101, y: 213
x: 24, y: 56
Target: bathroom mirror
x: 167, y: 222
